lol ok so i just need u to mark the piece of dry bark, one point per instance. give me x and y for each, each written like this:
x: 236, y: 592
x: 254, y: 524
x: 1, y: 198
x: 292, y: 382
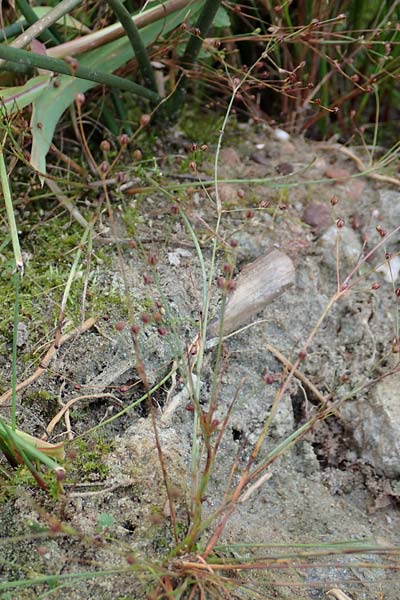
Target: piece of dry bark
x: 258, y: 284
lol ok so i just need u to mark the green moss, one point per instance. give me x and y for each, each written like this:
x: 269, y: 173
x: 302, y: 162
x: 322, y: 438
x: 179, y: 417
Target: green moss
x: 89, y: 460
x: 132, y: 217
x: 204, y: 130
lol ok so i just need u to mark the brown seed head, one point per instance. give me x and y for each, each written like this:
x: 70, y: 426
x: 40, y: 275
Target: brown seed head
x: 80, y: 99
x: 123, y: 139
x: 144, y: 120
x: 340, y: 223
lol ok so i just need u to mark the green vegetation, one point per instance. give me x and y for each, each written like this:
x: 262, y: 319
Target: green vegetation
x: 101, y: 102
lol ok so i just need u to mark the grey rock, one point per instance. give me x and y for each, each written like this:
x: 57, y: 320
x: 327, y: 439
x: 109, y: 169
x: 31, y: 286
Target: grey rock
x: 349, y: 246
x: 375, y: 423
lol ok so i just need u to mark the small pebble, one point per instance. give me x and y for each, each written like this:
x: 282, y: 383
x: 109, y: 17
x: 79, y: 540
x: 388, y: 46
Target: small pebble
x: 337, y: 174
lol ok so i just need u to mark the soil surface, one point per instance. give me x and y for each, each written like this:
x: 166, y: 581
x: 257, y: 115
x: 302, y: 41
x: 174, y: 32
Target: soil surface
x: 338, y: 483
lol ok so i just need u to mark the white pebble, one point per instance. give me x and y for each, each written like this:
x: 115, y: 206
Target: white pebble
x: 280, y: 135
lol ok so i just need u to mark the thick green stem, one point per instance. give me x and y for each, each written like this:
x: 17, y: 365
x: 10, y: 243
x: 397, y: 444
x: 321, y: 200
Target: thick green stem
x: 49, y: 35
x: 60, y: 66
x: 136, y: 41
x: 173, y: 105
x: 11, y: 30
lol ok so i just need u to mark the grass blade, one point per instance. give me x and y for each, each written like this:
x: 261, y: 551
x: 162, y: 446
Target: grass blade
x: 10, y: 213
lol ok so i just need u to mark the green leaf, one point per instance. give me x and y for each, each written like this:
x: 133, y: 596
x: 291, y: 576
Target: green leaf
x: 16, y: 98
x: 221, y: 19
x: 65, y: 21
x: 104, y: 521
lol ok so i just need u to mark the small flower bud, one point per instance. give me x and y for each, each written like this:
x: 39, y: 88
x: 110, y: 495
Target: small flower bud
x: 382, y: 232
x: 72, y: 62
x: 144, y: 120
x: 228, y: 269
x: 60, y: 473
x: 80, y: 99
x: 137, y: 155
x: 105, y: 146
x: 120, y: 326
x: 221, y: 283
x: 147, y: 280
x: 123, y: 139
x: 340, y: 223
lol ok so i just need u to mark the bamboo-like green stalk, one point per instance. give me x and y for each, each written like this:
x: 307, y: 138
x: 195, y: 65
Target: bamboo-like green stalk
x: 98, y: 38
x: 38, y: 26
x: 135, y: 39
x: 11, y: 30
x: 193, y: 48
x: 45, y: 35
x: 15, y: 55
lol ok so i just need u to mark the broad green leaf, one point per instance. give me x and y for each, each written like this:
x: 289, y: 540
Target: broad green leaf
x: 48, y: 108
x: 65, y: 21
x: 221, y: 19
x: 16, y: 98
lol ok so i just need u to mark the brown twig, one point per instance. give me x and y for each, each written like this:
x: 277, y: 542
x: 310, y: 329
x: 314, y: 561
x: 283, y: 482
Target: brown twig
x: 367, y: 171
x: 71, y: 402
x: 299, y: 375
x: 48, y: 356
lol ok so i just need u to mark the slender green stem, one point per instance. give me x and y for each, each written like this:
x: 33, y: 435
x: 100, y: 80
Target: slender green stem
x: 17, y: 280
x: 122, y: 112
x: 60, y: 66
x: 31, y: 17
x: 136, y: 41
